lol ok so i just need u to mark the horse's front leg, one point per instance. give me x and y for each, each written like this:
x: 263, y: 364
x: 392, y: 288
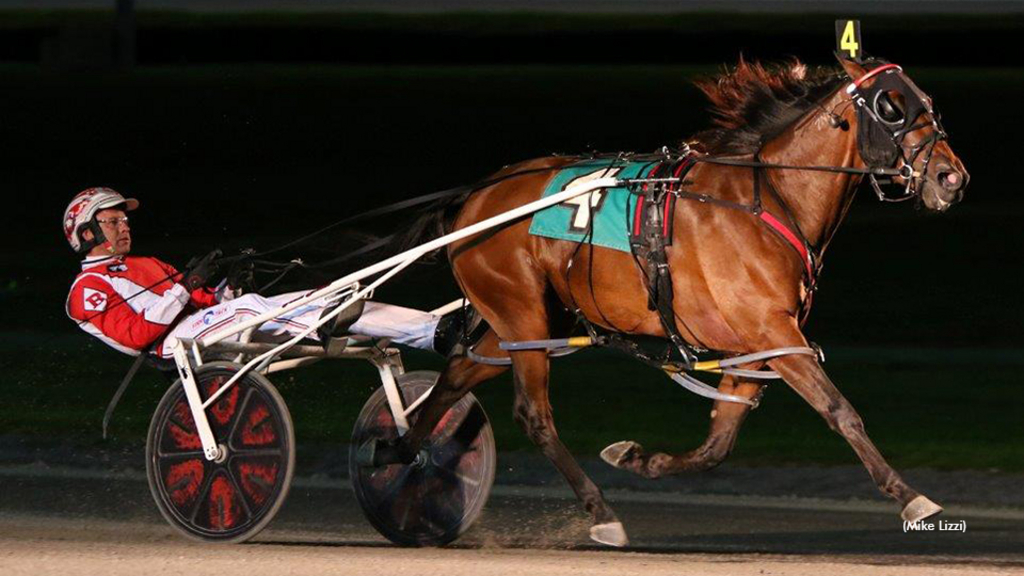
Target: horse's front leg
x: 726, y: 419
x: 805, y: 375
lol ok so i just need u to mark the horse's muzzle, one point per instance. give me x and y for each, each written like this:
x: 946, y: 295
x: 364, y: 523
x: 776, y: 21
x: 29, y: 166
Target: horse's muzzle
x: 952, y: 182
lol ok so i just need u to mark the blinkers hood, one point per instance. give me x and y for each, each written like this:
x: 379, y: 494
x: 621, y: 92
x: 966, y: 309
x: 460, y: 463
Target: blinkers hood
x: 881, y: 123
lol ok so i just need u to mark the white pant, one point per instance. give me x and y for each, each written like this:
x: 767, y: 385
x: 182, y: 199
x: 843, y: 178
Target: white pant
x: 402, y: 325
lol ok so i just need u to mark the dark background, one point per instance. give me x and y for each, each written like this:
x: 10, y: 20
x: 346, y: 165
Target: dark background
x: 249, y: 129
x: 238, y: 130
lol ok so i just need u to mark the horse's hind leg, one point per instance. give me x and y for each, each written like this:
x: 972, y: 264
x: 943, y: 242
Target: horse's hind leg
x: 726, y: 419
x: 532, y: 412
x: 459, y: 377
x: 808, y: 379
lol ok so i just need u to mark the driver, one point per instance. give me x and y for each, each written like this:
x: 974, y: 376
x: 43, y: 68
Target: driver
x: 134, y: 302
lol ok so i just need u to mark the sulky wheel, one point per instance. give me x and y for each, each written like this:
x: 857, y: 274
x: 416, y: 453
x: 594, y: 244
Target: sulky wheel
x: 435, y: 499
x: 230, y: 499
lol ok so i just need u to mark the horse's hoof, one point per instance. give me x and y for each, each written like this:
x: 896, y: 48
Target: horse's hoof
x: 617, y: 454
x: 920, y: 508
x: 610, y: 534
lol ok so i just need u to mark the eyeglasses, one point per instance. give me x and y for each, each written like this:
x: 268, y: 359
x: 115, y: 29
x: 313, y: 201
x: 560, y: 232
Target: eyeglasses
x: 113, y: 221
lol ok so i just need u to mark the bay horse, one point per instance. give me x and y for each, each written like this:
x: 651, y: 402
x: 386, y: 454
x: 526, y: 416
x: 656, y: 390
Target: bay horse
x: 739, y: 288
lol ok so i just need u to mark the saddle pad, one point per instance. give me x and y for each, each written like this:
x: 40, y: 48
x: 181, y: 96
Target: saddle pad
x: 598, y: 217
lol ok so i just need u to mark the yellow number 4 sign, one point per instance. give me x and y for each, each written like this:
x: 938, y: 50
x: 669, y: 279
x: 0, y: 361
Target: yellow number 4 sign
x: 848, y: 39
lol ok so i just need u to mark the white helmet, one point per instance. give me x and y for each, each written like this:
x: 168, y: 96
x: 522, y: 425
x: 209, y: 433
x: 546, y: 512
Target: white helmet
x: 80, y: 216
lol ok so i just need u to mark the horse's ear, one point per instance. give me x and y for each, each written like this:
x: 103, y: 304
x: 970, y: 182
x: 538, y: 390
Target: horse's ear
x: 852, y: 68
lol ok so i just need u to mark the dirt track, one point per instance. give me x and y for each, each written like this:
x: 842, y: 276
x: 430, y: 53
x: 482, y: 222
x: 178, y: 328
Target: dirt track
x: 151, y: 551
x: 104, y: 524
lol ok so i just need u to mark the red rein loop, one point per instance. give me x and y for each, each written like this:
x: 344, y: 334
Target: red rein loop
x: 856, y: 83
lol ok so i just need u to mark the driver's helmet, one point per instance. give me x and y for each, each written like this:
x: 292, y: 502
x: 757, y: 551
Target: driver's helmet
x: 81, y: 213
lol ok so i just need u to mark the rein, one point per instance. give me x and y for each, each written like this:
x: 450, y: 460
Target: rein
x: 398, y: 206
x: 725, y: 161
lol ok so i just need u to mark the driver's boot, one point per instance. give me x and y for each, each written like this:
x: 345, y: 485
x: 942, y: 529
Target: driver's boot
x: 458, y: 330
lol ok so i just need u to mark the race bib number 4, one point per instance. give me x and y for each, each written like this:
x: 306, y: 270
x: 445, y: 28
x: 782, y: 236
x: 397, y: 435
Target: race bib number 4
x: 94, y: 300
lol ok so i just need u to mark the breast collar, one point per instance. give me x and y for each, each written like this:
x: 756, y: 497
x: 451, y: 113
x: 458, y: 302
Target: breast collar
x: 794, y: 237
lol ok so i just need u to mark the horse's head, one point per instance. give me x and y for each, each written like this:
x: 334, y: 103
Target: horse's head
x: 898, y: 128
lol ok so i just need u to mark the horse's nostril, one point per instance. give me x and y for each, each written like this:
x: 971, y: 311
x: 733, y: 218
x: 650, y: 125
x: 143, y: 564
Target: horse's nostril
x: 951, y: 180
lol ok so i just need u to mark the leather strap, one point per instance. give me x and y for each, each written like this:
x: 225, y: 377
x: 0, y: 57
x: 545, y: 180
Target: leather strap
x: 787, y: 234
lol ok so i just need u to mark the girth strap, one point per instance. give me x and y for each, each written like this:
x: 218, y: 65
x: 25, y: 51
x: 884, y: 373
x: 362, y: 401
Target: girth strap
x: 650, y: 233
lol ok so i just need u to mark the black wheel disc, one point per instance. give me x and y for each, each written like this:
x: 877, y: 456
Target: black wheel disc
x: 434, y: 500
x: 233, y: 498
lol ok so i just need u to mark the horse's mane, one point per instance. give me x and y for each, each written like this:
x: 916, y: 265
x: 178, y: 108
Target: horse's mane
x: 753, y: 102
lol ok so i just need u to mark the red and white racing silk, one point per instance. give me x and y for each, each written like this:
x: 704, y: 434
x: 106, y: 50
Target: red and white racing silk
x: 130, y: 302
x: 401, y: 325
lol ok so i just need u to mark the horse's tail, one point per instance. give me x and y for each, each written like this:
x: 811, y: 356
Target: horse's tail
x: 437, y: 218
x: 434, y: 221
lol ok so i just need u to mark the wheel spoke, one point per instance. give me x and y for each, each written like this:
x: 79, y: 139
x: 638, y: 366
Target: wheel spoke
x: 253, y: 452
x: 189, y: 454
x: 172, y: 420
x: 458, y: 476
x: 452, y: 498
x: 396, y: 485
x: 239, y: 416
x: 204, y: 491
x: 409, y: 501
x: 240, y: 494
x: 397, y: 493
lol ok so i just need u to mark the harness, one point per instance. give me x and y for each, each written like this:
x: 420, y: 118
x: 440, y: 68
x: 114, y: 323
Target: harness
x: 880, y: 140
x: 882, y: 130
x: 651, y: 232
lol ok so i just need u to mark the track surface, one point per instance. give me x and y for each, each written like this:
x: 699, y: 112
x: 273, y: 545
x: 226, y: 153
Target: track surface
x: 89, y: 523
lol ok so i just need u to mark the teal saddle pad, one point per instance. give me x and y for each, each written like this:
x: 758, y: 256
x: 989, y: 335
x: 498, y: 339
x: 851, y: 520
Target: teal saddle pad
x: 599, y: 217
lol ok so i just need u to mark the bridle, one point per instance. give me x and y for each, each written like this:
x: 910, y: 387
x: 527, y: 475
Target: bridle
x: 883, y: 127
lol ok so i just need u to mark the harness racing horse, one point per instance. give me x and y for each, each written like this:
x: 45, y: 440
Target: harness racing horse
x: 801, y: 142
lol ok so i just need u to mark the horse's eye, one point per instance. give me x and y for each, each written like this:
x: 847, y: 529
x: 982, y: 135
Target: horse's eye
x: 887, y: 109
